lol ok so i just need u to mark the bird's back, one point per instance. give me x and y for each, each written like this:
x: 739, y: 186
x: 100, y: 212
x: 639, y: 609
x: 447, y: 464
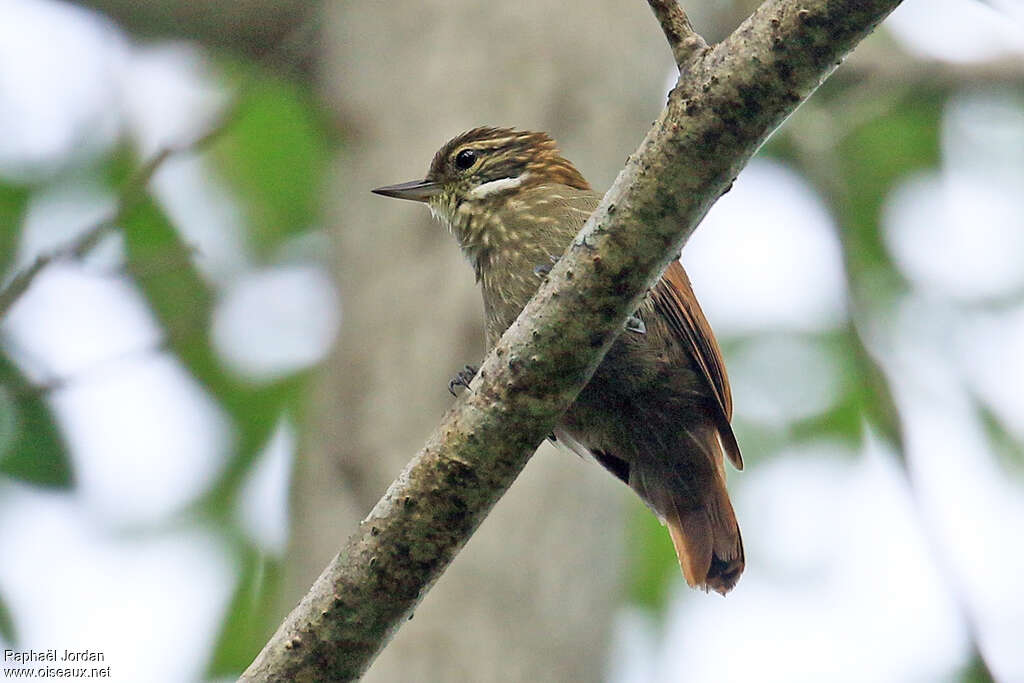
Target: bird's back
x: 652, y: 417
x: 656, y: 413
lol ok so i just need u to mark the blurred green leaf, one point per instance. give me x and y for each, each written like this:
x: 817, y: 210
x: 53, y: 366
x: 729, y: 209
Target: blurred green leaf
x: 1008, y: 450
x: 855, y: 172
x: 13, y: 201
x: 876, y: 397
x: 251, y: 616
x: 7, y: 630
x: 162, y: 265
x: 652, y: 560
x: 183, y: 302
x: 274, y: 154
x: 977, y: 670
x: 872, y: 159
x: 866, y: 397
x: 31, y: 446
x: 843, y: 421
x: 117, y: 168
x: 855, y: 177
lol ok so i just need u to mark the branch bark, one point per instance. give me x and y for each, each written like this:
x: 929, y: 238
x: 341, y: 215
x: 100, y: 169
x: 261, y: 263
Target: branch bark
x: 727, y: 101
x: 684, y: 41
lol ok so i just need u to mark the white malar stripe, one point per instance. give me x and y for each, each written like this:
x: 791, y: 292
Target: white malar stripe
x: 499, y: 185
x: 441, y: 215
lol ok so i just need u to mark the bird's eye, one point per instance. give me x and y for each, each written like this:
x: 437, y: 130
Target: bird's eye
x: 465, y: 159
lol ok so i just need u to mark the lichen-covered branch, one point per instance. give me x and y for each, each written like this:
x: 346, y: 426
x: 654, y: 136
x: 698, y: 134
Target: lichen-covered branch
x: 729, y: 99
x: 684, y: 41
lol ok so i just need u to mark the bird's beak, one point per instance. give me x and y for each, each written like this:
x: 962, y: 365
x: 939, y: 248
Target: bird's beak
x: 416, y: 190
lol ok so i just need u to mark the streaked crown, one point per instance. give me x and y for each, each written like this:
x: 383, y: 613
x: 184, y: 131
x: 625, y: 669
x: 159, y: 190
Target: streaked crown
x: 486, y: 155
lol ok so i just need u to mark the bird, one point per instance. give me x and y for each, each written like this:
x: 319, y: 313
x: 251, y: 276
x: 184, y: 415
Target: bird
x: 656, y: 413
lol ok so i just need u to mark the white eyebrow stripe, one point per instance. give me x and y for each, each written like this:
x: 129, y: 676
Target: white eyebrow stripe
x: 499, y: 185
x: 494, y: 142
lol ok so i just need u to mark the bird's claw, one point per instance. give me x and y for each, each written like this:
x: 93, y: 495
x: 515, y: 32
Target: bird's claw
x: 585, y: 244
x: 462, y: 378
x: 543, y: 269
x: 635, y: 323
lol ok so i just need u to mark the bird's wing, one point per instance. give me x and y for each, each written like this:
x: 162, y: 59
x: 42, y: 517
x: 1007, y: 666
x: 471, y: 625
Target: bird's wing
x: 675, y: 301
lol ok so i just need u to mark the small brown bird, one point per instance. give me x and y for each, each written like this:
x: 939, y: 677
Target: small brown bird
x: 656, y: 413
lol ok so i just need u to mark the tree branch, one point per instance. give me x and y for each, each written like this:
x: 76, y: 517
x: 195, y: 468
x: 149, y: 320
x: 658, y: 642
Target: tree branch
x: 249, y: 28
x: 684, y: 41
x: 732, y: 97
x: 890, y: 67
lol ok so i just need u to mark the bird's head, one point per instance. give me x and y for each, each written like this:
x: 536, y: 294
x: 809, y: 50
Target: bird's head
x: 475, y: 173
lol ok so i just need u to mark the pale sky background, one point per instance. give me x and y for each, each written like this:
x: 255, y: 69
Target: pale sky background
x: 848, y: 579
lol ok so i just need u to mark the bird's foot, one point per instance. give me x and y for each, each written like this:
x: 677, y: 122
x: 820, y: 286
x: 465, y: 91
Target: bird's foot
x: 543, y: 269
x: 635, y: 323
x: 462, y: 379
x: 585, y: 244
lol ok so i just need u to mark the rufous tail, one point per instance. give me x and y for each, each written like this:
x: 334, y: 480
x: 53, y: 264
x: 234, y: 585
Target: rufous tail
x: 707, y: 539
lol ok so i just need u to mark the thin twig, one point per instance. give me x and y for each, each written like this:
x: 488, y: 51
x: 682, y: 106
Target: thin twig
x: 77, y: 247
x: 684, y: 41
